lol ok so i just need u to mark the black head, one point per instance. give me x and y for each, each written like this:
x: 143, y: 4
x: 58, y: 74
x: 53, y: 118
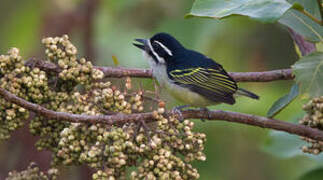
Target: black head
x: 161, y: 47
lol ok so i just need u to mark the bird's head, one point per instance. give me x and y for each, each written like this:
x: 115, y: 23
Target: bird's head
x: 161, y: 47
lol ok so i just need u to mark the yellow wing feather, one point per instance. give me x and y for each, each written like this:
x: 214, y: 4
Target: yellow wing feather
x: 217, y: 81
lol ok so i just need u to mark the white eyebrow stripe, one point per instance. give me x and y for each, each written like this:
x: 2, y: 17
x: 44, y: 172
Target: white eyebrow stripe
x: 160, y: 59
x: 169, y: 52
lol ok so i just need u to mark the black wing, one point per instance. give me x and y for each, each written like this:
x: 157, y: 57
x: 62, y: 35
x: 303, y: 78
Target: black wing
x: 212, y: 83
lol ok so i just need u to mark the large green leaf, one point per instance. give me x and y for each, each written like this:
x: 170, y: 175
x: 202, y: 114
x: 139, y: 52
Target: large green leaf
x: 262, y: 10
x: 310, y: 6
x: 309, y: 74
x: 303, y: 25
x: 283, y: 102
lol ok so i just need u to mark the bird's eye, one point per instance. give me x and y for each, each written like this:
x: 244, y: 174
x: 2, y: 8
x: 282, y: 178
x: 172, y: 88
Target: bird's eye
x: 157, y: 48
x: 156, y: 45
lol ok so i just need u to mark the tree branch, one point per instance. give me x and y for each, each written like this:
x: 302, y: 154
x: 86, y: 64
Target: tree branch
x: 265, y: 76
x: 118, y: 72
x: 120, y: 119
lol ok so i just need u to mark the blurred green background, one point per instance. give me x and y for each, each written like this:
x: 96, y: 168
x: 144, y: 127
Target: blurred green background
x: 103, y: 28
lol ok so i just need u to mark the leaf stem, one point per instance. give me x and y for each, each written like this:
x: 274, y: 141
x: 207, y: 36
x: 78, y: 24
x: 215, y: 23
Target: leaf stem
x: 303, y: 11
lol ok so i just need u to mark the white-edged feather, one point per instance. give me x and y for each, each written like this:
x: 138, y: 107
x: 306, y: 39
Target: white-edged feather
x: 169, y: 52
x: 160, y: 59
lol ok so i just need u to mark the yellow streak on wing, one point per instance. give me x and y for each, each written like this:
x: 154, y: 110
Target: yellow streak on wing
x: 191, y: 71
x: 195, y: 76
x: 222, y: 82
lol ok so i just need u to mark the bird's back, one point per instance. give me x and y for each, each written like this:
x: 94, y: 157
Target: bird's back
x: 190, y: 59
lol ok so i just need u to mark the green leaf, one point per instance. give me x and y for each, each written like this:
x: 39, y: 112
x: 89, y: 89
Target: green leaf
x: 319, y: 46
x: 315, y: 174
x: 309, y: 74
x: 310, y: 6
x: 297, y: 6
x: 303, y: 25
x: 261, y: 10
x: 284, y: 145
x: 283, y: 102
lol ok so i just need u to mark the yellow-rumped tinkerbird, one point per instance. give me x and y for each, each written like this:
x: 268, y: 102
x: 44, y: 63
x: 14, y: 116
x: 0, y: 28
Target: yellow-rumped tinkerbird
x: 187, y: 75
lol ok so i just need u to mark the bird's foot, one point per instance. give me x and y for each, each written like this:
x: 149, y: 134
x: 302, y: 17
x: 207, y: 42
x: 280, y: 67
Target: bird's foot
x: 206, y: 111
x: 178, y: 111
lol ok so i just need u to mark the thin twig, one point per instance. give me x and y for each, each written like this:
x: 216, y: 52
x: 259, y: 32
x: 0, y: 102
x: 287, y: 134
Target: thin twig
x: 120, y: 119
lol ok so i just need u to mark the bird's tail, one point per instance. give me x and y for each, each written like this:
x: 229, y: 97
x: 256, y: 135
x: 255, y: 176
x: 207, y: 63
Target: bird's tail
x: 247, y: 93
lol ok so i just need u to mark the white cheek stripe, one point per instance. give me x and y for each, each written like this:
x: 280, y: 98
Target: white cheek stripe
x: 160, y: 59
x: 169, y: 52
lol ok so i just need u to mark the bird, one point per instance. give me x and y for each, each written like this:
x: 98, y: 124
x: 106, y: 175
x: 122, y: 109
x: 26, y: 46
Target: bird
x: 189, y: 76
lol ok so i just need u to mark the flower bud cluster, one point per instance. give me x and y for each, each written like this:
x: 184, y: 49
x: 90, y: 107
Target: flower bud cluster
x: 162, y: 149
x: 33, y: 86
x: 137, y: 102
x: 156, y: 155
x: 164, y: 165
x: 161, y: 152
x: 11, y: 115
x: 113, y: 100
x: 33, y: 172
x: 10, y: 62
x: 99, y: 175
x: 64, y: 97
x: 48, y: 130
x: 314, y: 119
x: 29, y: 84
x: 63, y: 53
x: 96, y: 146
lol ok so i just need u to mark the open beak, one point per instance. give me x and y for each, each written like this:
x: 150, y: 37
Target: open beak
x: 143, y: 44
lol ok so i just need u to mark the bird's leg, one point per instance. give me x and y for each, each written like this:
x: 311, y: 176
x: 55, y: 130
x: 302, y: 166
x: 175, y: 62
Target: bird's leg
x: 178, y: 110
x: 206, y: 111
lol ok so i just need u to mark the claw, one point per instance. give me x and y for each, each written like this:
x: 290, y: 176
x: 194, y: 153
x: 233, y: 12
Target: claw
x: 178, y: 110
x: 206, y: 110
x: 178, y: 113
